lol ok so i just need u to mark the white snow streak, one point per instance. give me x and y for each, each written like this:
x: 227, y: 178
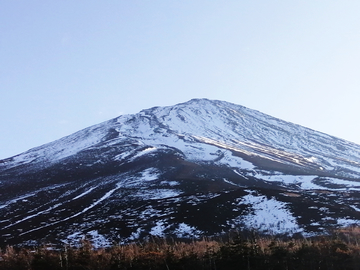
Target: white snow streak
x: 84, y: 193
x: 107, y: 195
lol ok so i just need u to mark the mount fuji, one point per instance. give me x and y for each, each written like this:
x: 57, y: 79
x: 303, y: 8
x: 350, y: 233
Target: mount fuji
x: 199, y: 168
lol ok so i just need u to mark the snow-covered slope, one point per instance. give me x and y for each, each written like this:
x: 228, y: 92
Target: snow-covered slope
x: 153, y: 172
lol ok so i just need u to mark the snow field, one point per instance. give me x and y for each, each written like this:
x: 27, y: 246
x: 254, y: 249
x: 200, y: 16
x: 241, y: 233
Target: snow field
x: 267, y: 215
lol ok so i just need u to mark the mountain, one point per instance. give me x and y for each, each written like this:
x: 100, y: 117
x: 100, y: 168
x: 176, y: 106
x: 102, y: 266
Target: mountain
x: 199, y: 168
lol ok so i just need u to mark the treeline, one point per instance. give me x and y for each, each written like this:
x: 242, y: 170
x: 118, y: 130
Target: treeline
x: 338, y: 251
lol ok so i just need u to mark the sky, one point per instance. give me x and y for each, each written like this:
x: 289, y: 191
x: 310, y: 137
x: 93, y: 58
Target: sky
x: 66, y: 65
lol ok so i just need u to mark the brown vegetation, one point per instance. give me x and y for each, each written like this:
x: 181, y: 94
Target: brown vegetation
x: 338, y: 251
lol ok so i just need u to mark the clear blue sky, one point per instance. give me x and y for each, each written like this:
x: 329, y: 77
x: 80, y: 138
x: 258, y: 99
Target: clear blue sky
x: 66, y: 65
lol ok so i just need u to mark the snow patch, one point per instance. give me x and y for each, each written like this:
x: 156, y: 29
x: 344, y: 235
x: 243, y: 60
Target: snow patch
x: 159, y: 228
x: 302, y: 181
x: 186, y: 231
x: 170, y: 183
x: 144, y: 152
x: 98, y: 240
x: 344, y: 222
x: 150, y: 174
x: 135, y: 235
x: 267, y: 215
x: 155, y: 194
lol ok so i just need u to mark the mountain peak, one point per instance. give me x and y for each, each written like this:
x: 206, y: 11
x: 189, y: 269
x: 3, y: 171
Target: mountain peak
x: 157, y: 171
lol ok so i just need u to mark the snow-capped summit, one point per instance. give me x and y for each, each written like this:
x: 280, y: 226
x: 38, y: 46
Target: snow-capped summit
x: 153, y: 172
x: 200, y: 126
